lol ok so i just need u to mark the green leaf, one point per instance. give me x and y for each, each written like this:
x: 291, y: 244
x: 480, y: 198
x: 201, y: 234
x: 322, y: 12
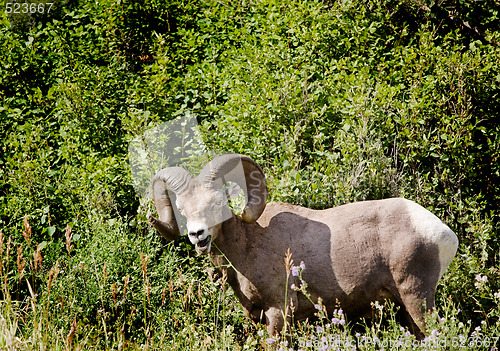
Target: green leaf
x: 51, y: 230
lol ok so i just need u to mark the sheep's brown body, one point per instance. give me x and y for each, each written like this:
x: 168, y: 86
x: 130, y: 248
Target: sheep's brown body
x: 354, y: 254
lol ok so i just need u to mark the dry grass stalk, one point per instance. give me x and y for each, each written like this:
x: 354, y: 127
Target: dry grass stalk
x: 104, y: 273
x: 37, y: 257
x: 224, y: 279
x: 27, y: 230
x: 187, y: 298
x: 288, y: 262
x: 1, y: 243
x: 7, y: 256
x: 288, y: 268
x: 144, y: 264
x: 132, y: 312
x: 181, y: 277
x: 148, y: 288
x: 170, y: 288
x: 1, y: 251
x: 69, y: 235
x: 127, y: 278
x: 69, y: 338
x: 200, y: 294
x: 114, y: 291
x: 20, y: 262
x: 54, y: 271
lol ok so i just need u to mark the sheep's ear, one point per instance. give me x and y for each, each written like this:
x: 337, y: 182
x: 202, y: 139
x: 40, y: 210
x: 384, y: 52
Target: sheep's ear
x: 233, y: 190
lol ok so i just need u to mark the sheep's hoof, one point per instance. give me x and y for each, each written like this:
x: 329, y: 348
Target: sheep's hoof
x: 152, y: 220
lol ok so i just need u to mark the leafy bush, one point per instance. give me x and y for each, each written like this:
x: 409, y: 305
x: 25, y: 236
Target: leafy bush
x: 338, y: 101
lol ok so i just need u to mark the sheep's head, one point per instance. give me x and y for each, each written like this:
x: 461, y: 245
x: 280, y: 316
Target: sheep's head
x: 204, y: 200
x: 205, y: 209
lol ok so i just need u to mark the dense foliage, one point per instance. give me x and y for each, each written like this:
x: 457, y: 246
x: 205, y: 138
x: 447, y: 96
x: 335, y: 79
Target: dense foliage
x: 338, y: 101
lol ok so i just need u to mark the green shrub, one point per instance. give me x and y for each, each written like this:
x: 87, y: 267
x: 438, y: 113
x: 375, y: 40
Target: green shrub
x: 338, y: 101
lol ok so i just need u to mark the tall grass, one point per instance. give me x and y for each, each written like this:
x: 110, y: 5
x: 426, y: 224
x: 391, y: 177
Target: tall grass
x: 135, y: 297
x: 337, y: 101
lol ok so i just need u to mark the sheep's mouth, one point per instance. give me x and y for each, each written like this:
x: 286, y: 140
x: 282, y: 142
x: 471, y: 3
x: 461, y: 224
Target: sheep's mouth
x: 203, y: 245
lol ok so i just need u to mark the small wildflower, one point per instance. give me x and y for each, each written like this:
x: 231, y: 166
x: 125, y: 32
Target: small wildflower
x: 340, y: 312
x: 295, y: 271
x: 319, y: 329
x: 477, y: 332
x: 497, y: 295
x: 407, y: 334
x: 342, y: 322
x: 293, y: 287
x: 271, y: 341
x: 260, y: 333
x: 318, y: 307
x: 335, y: 320
x: 378, y: 306
x: 302, y: 265
x: 480, y: 281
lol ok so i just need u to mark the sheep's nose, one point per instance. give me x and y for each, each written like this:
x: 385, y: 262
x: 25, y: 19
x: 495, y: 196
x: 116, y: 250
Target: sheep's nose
x: 198, y: 233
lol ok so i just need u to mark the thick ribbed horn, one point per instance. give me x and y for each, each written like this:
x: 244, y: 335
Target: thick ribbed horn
x: 173, y: 179
x: 246, y: 173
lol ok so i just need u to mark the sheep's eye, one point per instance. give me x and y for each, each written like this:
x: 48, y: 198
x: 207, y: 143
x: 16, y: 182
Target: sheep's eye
x: 217, y: 204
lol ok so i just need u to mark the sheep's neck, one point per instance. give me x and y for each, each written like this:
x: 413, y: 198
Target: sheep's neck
x: 230, y: 254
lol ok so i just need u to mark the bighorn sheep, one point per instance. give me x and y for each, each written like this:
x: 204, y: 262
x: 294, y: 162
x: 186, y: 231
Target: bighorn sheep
x: 355, y: 254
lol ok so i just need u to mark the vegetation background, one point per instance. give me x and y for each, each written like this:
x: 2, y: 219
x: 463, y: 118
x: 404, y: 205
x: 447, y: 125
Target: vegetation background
x: 339, y: 101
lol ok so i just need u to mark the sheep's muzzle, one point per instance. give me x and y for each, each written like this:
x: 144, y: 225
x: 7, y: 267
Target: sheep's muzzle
x: 203, y: 246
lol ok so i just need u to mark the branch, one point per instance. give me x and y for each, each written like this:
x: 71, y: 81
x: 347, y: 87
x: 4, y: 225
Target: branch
x: 440, y: 12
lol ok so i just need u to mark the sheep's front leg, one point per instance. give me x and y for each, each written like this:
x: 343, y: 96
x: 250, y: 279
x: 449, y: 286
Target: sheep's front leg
x: 275, y: 316
x: 274, y: 320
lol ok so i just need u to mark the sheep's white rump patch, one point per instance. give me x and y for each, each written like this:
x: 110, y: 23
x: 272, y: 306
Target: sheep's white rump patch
x: 435, y: 231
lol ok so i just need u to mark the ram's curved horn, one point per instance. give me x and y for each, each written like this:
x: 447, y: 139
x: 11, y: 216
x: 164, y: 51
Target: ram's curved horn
x: 246, y: 173
x: 173, y: 179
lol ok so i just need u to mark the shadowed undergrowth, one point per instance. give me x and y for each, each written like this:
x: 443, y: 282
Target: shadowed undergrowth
x: 338, y: 101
